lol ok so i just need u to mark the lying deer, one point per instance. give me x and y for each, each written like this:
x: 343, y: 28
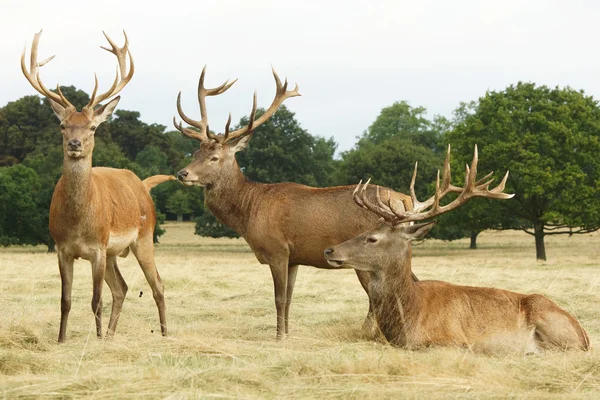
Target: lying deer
x: 285, y: 224
x: 98, y: 213
x: 414, y: 314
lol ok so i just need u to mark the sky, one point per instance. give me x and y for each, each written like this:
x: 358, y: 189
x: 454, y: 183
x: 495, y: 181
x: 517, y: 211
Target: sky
x: 350, y: 58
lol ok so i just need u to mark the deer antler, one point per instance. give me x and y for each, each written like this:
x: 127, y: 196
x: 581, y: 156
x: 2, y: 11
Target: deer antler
x: 33, y: 75
x: 204, y: 133
x: 395, y: 214
x: 118, y: 85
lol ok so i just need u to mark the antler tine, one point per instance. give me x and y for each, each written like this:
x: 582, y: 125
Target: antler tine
x: 360, y: 198
x: 188, y: 132
x: 122, y: 76
x: 201, y: 136
x: 281, y: 94
x: 227, y: 127
x: 33, y: 74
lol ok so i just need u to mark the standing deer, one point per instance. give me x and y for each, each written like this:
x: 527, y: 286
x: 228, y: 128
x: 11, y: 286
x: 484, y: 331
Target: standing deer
x: 285, y: 224
x: 98, y: 213
x: 414, y: 314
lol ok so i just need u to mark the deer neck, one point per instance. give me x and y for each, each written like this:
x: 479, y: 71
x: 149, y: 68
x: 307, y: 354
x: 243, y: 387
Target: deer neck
x: 230, y: 199
x: 77, y: 183
x: 395, y: 299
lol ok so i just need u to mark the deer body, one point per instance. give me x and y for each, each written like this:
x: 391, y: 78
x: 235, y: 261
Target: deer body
x: 98, y: 213
x: 285, y: 224
x: 415, y: 314
x: 434, y: 313
x: 83, y: 194
x: 288, y: 220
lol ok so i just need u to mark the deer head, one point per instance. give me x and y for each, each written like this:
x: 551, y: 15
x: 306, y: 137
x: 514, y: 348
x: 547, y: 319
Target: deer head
x: 370, y: 250
x: 78, y: 127
x: 216, y: 155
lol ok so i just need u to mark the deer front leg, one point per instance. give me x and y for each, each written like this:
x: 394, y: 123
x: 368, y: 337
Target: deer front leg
x: 279, y: 271
x: 65, y: 266
x: 291, y: 280
x: 98, y: 272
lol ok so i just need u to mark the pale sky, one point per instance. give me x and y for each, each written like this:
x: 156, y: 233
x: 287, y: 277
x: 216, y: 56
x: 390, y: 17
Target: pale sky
x: 350, y: 58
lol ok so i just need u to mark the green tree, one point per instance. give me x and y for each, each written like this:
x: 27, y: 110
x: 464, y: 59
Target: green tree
x: 179, y: 203
x: 281, y: 151
x: 20, y: 219
x: 549, y: 140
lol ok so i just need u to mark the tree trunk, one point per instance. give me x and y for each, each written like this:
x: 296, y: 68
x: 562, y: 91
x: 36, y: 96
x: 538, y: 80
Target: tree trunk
x: 540, y: 248
x: 473, y: 239
x: 179, y: 217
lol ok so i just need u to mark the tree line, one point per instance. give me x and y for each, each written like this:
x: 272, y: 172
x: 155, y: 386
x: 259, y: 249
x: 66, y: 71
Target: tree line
x: 548, y: 138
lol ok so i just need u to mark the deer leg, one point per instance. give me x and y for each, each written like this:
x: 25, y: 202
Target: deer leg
x: 144, y: 253
x: 279, y: 271
x: 118, y: 287
x: 98, y: 272
x: 65, y: 266
x: 291, y: 280
x: 370, y: 324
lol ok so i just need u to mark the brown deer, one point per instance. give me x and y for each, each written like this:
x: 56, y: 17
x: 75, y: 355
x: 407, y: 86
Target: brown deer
x: 415, y: 314
x: 98, y: 213
x: 285, y: 224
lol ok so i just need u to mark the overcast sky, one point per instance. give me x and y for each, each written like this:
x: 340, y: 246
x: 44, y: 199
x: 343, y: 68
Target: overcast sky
x: 350, y: 58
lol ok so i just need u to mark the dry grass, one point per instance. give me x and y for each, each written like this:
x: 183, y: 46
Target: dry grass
x: 221, y: 317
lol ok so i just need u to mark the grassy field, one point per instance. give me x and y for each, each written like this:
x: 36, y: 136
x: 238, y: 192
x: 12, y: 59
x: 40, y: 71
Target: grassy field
x: 221, y: 316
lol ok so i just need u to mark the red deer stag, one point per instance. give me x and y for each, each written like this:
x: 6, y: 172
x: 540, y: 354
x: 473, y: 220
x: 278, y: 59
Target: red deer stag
x: 98, y: 213
x: 285, y: 224
x: 414, y: 314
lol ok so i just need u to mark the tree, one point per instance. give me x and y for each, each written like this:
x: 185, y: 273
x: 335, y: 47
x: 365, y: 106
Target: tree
x: 178, y: 203
x: 20, y: 219
x: 387, y: 151
x: 281, y: 151
x: 549, y: 140
x: 401, y: 119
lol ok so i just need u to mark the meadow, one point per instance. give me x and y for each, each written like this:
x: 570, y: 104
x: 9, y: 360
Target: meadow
x: 221, y: 318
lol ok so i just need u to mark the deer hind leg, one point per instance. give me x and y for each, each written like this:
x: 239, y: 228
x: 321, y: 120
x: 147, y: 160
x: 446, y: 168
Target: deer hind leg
x: 143, y: 250
x: 291, y: 280
x: 65, y: 266
x: 98, y: 273
x: 554, y: 327
x: 118, y: 287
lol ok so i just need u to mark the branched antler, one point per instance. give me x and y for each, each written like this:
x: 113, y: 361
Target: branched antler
x: 204, y: 133
x: 395, y: 214
x: 33, y: 74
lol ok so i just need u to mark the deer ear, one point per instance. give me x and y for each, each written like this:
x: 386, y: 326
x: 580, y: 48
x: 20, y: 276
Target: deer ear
x: 241, y: 144
x: 104, y: 112
x: 60, y: 111
x: 416, y: 231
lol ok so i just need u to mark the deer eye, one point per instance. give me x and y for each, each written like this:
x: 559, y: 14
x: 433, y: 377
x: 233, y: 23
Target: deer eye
x: 214, y: 159
x: 92, y: 128
x: 63, y: 127
x: 371, y: 239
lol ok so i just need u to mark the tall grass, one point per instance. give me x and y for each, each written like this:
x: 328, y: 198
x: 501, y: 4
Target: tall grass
x: 221, y: 317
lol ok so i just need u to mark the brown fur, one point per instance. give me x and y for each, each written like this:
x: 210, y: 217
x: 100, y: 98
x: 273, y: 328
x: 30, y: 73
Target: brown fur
x: 153, y: 181
x: 416, y: 314
x: 285, y: 224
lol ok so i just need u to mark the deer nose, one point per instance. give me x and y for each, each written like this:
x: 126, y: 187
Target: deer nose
x: 74, y: 144
x: 182, y: 174
x: 328, y: 252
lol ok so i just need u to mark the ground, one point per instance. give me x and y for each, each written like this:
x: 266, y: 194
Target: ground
x: 221, y: 317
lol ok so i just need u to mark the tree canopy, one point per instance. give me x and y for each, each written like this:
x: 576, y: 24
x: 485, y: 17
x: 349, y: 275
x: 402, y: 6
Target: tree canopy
x: 548, y: 139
